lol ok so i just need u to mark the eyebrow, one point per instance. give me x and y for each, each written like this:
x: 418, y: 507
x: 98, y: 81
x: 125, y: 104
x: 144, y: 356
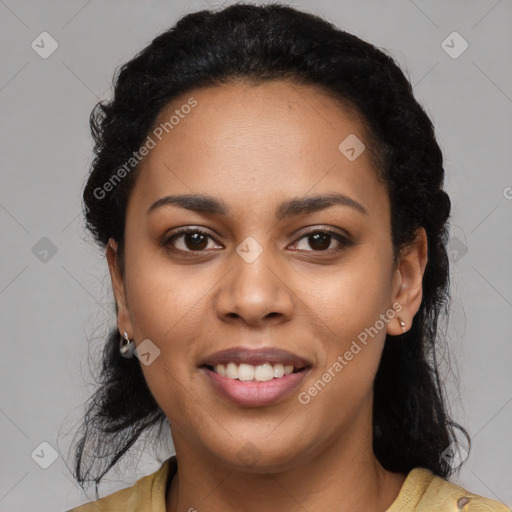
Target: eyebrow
x: 207, y: 204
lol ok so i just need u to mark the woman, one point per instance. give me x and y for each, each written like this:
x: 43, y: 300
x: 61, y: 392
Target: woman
x: 270, y: 198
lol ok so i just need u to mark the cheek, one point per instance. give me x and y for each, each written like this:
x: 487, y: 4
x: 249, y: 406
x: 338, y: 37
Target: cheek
x: 348, y: 306
x: 167, y: 307
x: 350, y: 297
x: 164, y: 299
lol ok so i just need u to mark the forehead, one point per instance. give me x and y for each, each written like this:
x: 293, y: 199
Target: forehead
x: 252, y: 143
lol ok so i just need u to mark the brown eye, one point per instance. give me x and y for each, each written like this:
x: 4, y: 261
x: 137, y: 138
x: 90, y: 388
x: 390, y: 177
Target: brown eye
x: 195, y: 241
x: 188, y: 240
x: 321, y: 240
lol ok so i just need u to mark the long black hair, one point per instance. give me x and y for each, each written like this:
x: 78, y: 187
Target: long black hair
x: 411, y: 423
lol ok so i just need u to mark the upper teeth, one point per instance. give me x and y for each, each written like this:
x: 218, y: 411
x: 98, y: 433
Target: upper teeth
x: 260, y: 372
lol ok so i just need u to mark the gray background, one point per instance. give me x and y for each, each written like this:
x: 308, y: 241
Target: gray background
x: 52, y: 303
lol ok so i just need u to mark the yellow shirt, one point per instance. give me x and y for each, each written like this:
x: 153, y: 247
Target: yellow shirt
x: 422, y: 491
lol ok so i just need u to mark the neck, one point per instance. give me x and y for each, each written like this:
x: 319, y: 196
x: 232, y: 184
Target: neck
x: 343, y: 476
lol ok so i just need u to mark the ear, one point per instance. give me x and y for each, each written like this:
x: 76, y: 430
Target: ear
x: 408, y: 282
x: 116, y: 275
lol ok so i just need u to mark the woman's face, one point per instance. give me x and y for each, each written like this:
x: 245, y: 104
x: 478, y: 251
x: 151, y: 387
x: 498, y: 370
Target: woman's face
x: 264, y: 267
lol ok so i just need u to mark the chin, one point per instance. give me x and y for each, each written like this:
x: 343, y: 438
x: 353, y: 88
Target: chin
x: 259, y: 455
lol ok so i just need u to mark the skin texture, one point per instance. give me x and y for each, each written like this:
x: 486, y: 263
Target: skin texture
x: 254, y: 146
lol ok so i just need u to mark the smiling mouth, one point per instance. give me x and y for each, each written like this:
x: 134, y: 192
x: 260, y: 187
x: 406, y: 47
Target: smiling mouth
x: 258, y: 373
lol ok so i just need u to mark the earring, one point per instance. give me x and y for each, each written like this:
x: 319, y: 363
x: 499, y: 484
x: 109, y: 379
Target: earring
x: 126, y: 347
x: 402, y: 324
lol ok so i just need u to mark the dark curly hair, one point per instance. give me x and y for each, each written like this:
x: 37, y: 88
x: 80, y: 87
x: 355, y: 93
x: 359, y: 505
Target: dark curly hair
x: 244, y: 42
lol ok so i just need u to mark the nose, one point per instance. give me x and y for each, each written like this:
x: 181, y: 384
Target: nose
x: 255, y: 293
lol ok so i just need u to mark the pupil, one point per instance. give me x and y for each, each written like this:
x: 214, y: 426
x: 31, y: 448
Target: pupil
x: 198, y: 241
x: 320, y: 241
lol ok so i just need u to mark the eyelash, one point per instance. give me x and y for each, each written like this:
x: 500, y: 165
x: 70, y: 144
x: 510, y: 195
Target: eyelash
x: 344, y: 241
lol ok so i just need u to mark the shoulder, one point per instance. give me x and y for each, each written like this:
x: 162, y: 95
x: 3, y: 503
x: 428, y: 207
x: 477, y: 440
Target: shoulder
x: 146, y: 495
x: 423, y: 491
x: 444, y: 495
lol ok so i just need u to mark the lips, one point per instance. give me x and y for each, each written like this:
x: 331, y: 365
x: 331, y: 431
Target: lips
x: 255, y: 357
x: 277, y: 373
